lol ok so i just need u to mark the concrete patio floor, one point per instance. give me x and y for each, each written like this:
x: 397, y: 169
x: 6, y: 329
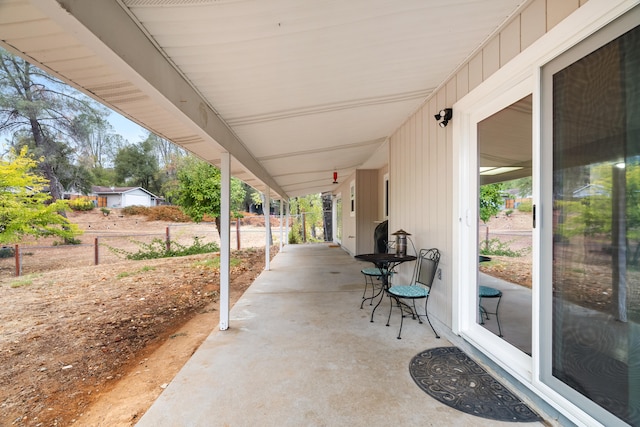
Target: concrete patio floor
x: 300, y: 352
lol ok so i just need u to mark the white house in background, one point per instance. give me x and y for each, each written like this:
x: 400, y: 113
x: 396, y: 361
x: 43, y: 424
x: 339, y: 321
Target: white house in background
x: 121, y: 197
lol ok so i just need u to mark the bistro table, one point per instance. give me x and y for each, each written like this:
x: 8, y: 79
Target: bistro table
x: 386, y: 263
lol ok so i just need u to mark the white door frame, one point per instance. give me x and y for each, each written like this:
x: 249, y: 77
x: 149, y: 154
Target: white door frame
x: 496, y: 92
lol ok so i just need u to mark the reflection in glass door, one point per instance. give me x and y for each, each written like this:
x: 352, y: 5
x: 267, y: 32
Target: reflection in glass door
x: 595, y: 296
x: 505, y: 224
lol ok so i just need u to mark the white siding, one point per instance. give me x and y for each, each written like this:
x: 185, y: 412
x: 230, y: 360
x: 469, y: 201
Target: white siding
x: 420, y: 152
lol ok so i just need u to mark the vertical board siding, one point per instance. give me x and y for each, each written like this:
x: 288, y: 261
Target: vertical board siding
x: 420, y: 152
x: 558, y: 10
x: 366, y: 209
x: 510, y: 41
x: 532, y: 23
x: 491, y: 58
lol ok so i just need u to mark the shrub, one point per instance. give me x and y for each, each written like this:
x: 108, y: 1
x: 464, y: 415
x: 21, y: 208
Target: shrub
x: 508, y: 212
x: 158, y: 249
x: 81, y: 204
x: 167, y: 213
x: 525, y: 207
x: 295, y: 235
x: 7, y: 252
x: 135, y: 210
x: 158, y: 213
x: 69, y: 241
x: 497, y: 247
x: 105, y: 211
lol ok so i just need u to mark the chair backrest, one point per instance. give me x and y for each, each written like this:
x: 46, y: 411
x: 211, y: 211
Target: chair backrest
x: 426, y: 266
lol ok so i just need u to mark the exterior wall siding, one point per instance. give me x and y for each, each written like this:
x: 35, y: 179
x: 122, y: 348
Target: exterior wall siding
x: 366, y: 209
x: 420, y: 153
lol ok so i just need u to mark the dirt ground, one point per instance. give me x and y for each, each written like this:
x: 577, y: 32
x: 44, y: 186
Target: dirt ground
x: 96, y: 345
x: 514, y: 231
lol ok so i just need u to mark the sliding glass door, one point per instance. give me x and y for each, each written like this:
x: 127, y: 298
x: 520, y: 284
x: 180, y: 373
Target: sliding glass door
x: 591, y: 257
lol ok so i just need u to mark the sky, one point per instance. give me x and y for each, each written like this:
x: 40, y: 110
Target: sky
x: 128, y: 129
x: 121, y: 125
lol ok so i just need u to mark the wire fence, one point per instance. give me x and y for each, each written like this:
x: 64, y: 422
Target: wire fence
x: 103, y: 248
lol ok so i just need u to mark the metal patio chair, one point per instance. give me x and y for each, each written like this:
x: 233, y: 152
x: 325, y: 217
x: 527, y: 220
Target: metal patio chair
x: 373, y: 277
x: 420, y: 288
x: 489, y: 292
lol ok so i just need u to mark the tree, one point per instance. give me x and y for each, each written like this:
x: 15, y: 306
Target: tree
x: 24, y: 206
x: 523, y: 185
x: 310, y: 208
x: 199, y: 190
x: 490, y: 200
x: 136, y: 165
x: 38, y: 111
x: 490, y: 203
x: 168, y: 156
x: 95, y: 140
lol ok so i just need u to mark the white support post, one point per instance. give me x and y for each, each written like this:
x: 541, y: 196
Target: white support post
x: 225, y: 247
x: 288, y: 219
x: 281, y: 225
x: 267, y: 229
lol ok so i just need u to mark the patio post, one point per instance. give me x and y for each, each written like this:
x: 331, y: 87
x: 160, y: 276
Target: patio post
x: 267, y: 228
x: 281, y: 226
x: 288, y: 219
x: 225, y: 248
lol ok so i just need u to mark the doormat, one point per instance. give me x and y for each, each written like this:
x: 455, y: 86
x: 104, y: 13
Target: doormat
x: 448, y: 375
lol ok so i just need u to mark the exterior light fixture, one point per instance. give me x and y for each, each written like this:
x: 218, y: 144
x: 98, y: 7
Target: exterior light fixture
x: 444, y: 116
x: 335, y: 177
x: 401, y: 242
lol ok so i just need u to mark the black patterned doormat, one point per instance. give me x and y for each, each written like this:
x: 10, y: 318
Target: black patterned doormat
x: 451, y: 377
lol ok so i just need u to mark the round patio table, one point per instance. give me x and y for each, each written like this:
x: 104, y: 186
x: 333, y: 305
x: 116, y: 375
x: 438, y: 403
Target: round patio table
x: 386, y: 263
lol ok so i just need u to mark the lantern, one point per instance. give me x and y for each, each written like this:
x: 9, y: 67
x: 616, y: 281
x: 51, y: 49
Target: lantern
x: 401, y: 242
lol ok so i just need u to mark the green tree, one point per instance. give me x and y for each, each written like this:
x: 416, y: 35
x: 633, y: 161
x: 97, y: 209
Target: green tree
x: 168, y: 156
x: 199, y: 190
x: 38, y: 111
x: 593, y: 215
x: 137, y: 165
x: 311, y: 207
x: 490, y: 202
x: 24, y: 206
x: 523, y: 185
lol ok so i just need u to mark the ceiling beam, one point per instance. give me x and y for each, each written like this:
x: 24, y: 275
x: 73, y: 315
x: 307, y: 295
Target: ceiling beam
x: 128, y: 49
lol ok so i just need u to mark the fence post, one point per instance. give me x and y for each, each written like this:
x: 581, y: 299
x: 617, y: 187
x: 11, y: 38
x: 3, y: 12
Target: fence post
x: 304, y: 228
x: 168, y: 240
x: 95, y: 252
x: 238, y: 233
x: 17, y: 254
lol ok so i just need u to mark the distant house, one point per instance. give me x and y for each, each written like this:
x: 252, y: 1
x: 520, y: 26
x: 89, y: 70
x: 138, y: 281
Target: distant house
x: 590, y: 190
x: 121, y: 197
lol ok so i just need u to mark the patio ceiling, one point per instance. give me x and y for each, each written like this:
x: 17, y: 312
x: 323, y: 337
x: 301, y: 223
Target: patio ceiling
x: 293, y: 90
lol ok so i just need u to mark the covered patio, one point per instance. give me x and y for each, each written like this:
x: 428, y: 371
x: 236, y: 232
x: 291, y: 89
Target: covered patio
x: 300, y: 351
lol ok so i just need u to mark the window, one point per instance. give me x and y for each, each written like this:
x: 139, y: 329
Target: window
x: 352, y: 198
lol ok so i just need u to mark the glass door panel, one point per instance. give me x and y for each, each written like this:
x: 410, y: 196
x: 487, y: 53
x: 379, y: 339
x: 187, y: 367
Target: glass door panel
x: 505, y: 224
x: 595, y: 296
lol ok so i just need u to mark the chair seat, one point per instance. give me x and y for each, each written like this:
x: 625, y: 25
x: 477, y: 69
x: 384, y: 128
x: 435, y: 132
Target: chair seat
x: 409, y: 291
x: 488, y: 292
x: 374, y: 271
